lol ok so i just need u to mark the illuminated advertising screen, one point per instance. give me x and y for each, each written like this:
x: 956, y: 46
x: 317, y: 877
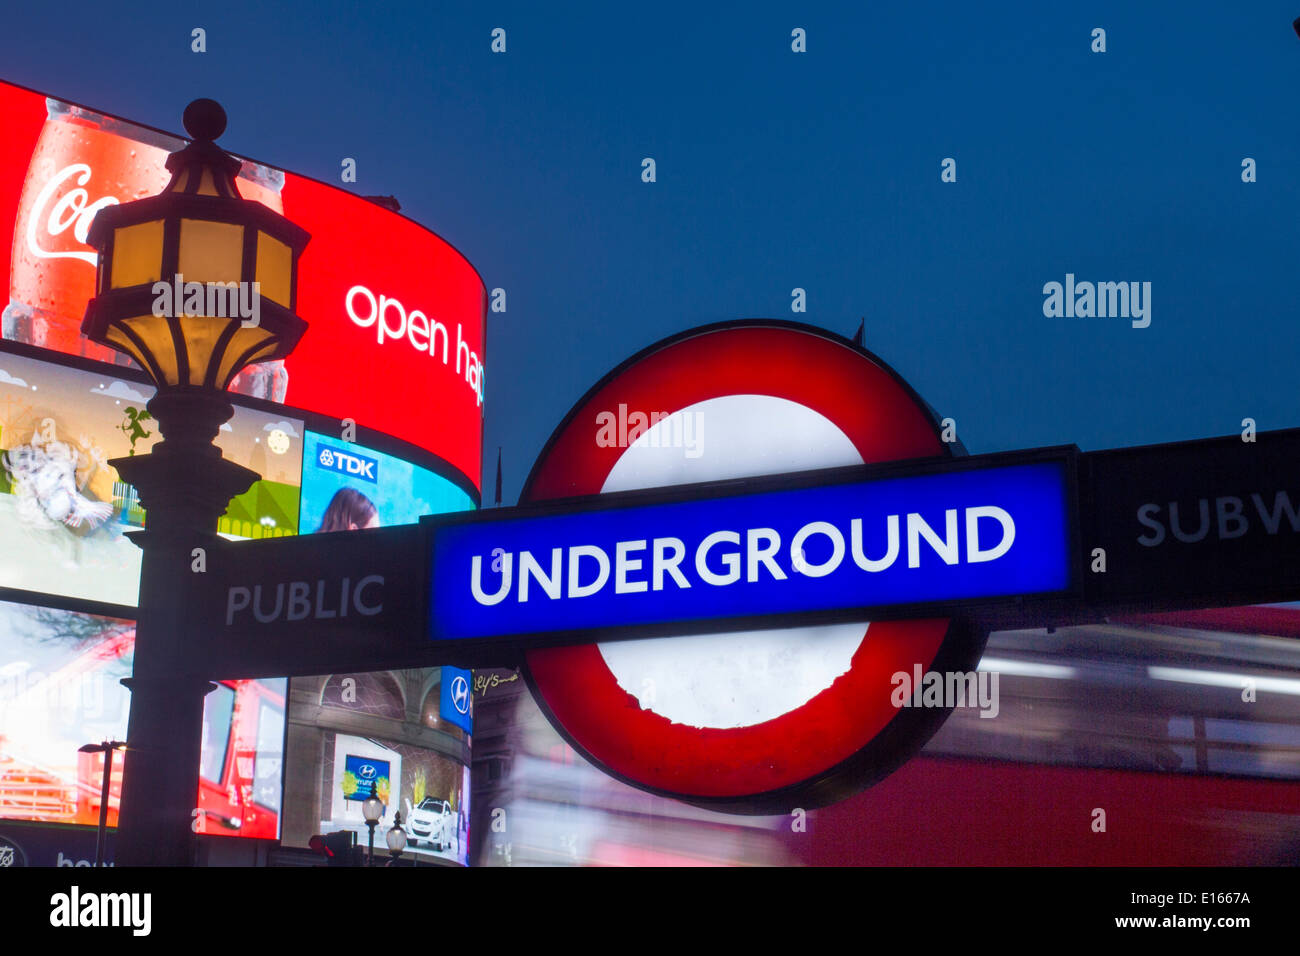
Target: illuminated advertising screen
x: 63, y: 508
x: 395, y: 314
x: 354, y: 736
x: 346, y: 486
x: 430, y: 792
x: 59, y: 689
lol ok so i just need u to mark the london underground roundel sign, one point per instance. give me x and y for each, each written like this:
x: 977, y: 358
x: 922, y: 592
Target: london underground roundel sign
x: 761, y: 721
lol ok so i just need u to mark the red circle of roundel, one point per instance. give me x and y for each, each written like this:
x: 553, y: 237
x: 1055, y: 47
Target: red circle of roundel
x: 884, y: 420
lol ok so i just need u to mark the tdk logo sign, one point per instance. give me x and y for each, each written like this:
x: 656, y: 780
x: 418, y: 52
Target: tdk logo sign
x: 954, y: 535
x: 348, y: 463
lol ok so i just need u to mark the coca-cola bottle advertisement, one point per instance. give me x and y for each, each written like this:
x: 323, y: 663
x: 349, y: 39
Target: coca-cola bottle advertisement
x: 84, y: 161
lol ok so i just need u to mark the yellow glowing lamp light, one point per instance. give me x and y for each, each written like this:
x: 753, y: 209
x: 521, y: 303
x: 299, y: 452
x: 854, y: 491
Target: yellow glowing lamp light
x: 196, y: 283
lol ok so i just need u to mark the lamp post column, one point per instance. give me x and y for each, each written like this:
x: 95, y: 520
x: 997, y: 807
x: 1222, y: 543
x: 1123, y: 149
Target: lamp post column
x: 185, y: 485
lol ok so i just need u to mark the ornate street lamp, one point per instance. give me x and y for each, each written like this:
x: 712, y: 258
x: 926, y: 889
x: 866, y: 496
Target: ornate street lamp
x: 160, y: 256
x: 396, y: 838
x: 372, y: 809
x: 170, y: 267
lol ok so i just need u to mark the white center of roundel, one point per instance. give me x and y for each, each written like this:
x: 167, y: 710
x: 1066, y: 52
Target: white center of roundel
x: 741, y: 678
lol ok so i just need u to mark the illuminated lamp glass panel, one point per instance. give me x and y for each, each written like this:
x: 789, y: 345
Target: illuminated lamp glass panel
x: 274, y: 268
x: 211, y: 251
x: 137, y: 254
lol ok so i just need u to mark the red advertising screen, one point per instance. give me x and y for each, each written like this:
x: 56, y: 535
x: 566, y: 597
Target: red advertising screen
x: 395, y: 314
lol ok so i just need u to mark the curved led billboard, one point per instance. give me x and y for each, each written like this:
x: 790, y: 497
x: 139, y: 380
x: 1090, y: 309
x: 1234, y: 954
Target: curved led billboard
x: 375, y: 419
x: 395, y: 314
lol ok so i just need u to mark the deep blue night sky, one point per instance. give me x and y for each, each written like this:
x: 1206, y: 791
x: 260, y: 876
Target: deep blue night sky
x: 775, y: 170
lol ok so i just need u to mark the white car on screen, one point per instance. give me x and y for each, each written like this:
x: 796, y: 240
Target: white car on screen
x: 432, y: 822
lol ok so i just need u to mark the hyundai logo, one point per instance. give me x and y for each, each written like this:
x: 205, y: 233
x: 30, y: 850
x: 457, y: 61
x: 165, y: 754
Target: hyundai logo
x: 366, y: 771
x: 460, y: 694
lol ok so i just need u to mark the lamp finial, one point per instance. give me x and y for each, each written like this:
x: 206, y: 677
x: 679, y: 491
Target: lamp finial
x: 204, y: 120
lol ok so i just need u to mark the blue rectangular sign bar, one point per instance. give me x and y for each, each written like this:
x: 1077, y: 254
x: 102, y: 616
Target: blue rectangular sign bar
x: 962, y: 530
